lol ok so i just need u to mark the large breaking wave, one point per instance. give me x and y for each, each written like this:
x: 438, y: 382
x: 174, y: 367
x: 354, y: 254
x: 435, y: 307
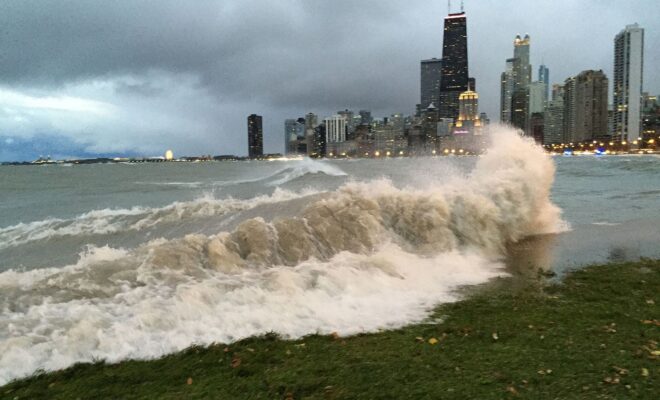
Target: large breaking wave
x: 366, y: 257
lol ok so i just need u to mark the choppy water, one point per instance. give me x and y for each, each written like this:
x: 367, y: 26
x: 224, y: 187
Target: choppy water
x: 139, y: 260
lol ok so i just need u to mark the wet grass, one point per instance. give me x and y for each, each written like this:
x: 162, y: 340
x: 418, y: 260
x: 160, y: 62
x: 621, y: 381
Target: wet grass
x: 594, y: 336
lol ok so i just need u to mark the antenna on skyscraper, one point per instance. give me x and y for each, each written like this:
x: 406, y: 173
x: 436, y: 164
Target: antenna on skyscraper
x: 448, y: 6
x: 462, y: 6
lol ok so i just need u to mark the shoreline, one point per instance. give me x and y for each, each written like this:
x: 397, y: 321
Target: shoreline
x: 593, y: 334
x: 281, y: 158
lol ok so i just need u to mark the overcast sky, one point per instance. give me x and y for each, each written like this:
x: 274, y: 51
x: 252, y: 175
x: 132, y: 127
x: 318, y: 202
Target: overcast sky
x: 85, y: 78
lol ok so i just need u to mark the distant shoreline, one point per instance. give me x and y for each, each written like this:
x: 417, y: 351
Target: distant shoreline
x: 271, y: 157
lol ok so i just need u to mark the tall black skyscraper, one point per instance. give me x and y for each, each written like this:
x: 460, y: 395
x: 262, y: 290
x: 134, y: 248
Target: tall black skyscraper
x: 454, y: 64
x: 255, y: 136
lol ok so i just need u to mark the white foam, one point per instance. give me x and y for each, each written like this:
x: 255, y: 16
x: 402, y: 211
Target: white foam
x: 605, y: 223
x: 150, y: 316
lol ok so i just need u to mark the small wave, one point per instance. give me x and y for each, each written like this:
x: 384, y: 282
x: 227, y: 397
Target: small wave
x: 183, y: 184
x: 109, y: 221
x: 302, y: 168
x: 605, y: 223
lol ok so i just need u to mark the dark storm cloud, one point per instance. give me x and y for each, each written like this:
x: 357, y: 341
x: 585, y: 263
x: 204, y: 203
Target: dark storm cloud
x: 185, y: 74
x: 281, y: 51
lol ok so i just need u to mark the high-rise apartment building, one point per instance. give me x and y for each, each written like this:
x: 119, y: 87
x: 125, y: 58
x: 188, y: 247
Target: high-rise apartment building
x: 294, y: 135
x: 431, y: 73
x: 537, y: 97
x: 311, y: 122
x: 522, y: 77
x: 544, y: 76
x: 454, y: 80
x: 569, y: 110
x: 335, y: 129
x: 350, y: 122
x: 553, y: 121
x: 255, y: 136
x: 506, y: 92
x: 628, y: 82
x: 514, y: 93
x: 591, y: 91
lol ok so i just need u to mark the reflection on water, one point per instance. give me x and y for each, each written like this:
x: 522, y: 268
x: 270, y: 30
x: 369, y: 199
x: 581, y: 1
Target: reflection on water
x: 585, y: 245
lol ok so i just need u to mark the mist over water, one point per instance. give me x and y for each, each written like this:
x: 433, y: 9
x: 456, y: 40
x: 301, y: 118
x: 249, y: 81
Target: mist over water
x: 147, y: 260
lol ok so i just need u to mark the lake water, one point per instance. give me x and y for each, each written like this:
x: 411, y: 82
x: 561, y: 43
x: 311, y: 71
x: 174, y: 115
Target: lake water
x: 125, y: 261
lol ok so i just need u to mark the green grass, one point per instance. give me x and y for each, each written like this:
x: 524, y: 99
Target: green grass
x: 594, y: 336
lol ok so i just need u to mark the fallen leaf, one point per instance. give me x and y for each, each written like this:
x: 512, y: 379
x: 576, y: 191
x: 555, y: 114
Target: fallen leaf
x: 226, y: 349
x: 512, y: 390
x: 419, y: 339
x: 235, y: 362
x: 251, y: 350
x: 645, y: 372
x: 433, y: 341
x: 650, y: 302
x: 612, y: 381
x: 189, y: 381
x: 495, y: 337
x: 655, y: 353
x: 335, y: 335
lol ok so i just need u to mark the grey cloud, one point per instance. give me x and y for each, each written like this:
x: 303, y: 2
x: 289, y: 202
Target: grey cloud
x: 205, y: 65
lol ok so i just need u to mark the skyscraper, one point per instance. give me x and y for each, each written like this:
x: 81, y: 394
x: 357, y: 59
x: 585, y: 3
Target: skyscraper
x: 311, y: 122
x: 514, y: 92
x: 255, y: 136
x: 628, y: 82
x: 431, y: 73
x: 569, y: 110
x: 590, y: 106
x: 454, y: 80
x: 537, y: 97
x: 335, y: 129
x: 522, y: 77
x: 506, y: 94
x: 350, y: 123
x: 544, y: 76
x: 553, y: 121
x: 294, y: 135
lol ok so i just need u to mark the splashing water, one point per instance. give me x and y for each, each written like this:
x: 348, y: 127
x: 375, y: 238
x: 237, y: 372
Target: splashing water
x: 366, y: 257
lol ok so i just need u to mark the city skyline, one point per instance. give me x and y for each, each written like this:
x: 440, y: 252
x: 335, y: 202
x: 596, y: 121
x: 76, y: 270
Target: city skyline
x: 132, y: 101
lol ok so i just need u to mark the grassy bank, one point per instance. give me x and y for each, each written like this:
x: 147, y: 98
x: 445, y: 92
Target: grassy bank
x: 594, y: 336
